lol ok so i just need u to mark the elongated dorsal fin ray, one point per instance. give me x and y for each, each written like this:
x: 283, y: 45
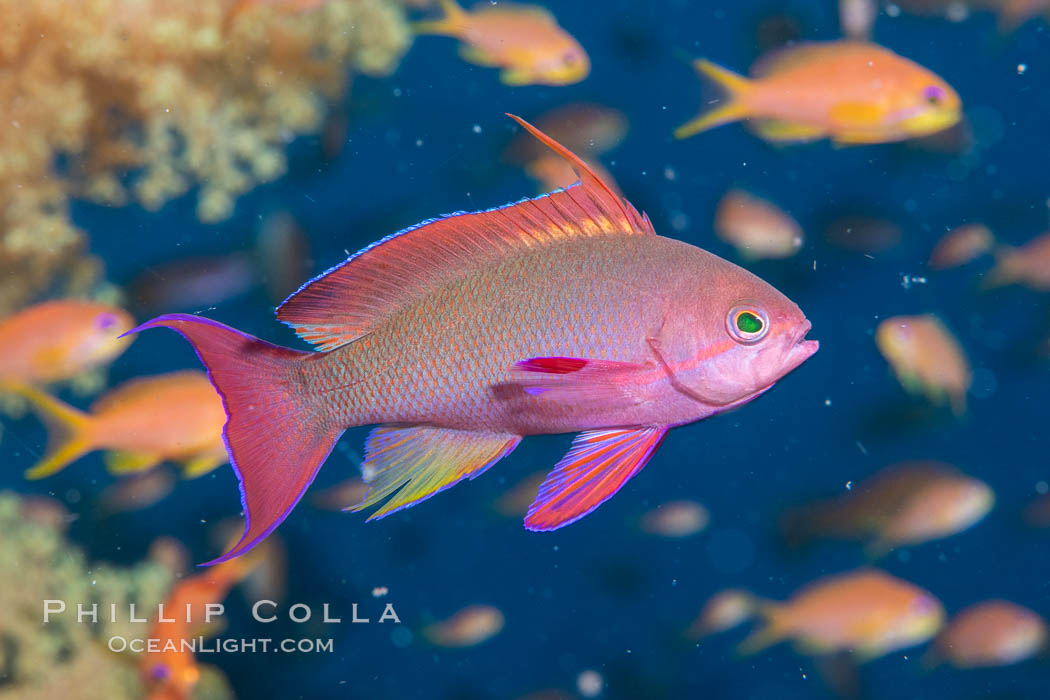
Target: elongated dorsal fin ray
x: 353, y: 298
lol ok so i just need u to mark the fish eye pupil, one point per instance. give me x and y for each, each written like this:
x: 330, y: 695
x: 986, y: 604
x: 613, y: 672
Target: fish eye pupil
x: 748, y: 322
x: 933, y: 95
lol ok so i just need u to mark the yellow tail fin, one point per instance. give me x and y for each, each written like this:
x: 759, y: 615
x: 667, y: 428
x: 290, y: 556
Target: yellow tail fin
x: 68, y: 431
x: 733, y: 107
x: 449, y: 25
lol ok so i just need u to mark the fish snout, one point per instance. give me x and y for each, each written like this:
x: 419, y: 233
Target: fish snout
x: 799, y: 349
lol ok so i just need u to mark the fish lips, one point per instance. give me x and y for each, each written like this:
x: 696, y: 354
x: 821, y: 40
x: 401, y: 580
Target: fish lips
x: 801, y: 349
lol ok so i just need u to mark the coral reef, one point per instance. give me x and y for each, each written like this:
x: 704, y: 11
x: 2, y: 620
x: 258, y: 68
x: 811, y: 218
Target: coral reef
x: 63, y: 658
x: 121, y: 100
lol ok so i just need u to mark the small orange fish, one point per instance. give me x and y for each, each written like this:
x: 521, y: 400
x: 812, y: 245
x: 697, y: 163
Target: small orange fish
x: 723, y: 611
x: 470, y: 626
x: 171, y: 672
x: 525, y: 41
x: 1028, y: 265
x: 926, y: 358
x: 867, y: 613
x: 990, y: 633
x: 141, y: 423
x: 852, y: 92
x: 961, y: 245
x: 57, y: 340
x: 675, y: 519
x: 905, y: 504
x: 756, y: 227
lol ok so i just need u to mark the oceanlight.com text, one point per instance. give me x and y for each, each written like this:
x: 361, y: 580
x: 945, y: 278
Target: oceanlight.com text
x: 231, y: 645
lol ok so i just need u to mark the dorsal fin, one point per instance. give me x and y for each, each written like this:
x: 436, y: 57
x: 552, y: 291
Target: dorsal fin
x: 804, y: 53
x: 351, y: 299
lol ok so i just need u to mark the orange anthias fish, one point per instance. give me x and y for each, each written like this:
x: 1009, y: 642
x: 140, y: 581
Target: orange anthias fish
x: 926, y: 358
x: 961, y: 245
x: 1028, y: 265
x: 908, y: 503
x: 991, y: 633
x: 524, y: 40
x: 867, y: 613
x: 849, y: 91
x: 470, y: 626
x: 459, y: 336
x: 141, y: 423
x: 757, y: 228
x: 170, y: 672
x: 57, y: 340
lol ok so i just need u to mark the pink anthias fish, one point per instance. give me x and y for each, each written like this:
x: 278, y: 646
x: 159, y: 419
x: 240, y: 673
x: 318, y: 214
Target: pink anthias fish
x: 461, y: 335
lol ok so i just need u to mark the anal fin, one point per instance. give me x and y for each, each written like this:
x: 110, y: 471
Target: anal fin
x: 780, y: 131
x: 120, y: 462
x: 412, y: 463
x: 598, y: 465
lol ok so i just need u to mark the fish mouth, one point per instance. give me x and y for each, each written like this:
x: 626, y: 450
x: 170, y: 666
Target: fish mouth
x: 801, y: 349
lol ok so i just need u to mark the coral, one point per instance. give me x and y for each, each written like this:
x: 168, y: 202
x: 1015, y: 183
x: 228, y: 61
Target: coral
x: 119, y: 100
x: 64, y: 658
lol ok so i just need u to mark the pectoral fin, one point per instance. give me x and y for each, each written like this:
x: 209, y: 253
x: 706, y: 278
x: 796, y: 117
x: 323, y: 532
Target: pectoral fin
x: 581, y: 382
x: 517, y: 76
x: 598, y: 465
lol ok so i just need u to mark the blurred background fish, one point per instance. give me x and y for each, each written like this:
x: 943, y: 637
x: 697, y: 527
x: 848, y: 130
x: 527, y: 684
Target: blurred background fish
x: 866, y: 612
x: 926, y: 358
x: 57, y: 340
x: 903, y: 504
x: 468, y: 627
x: 756, y: 227
x: 990, y: 633
x: 525, y: 41
x: 850, y: 92
x: 961, y: 245
x: 141, y: 423
x: 1028, y: 265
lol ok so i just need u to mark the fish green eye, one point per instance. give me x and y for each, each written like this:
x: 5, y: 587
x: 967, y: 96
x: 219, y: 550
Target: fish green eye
x: 747, y: 324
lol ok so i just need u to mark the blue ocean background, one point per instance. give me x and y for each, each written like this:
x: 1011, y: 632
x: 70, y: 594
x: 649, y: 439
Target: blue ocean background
x: 600, y: 594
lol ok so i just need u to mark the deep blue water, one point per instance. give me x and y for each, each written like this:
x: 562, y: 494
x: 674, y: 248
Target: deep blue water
x: 600, y: 595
